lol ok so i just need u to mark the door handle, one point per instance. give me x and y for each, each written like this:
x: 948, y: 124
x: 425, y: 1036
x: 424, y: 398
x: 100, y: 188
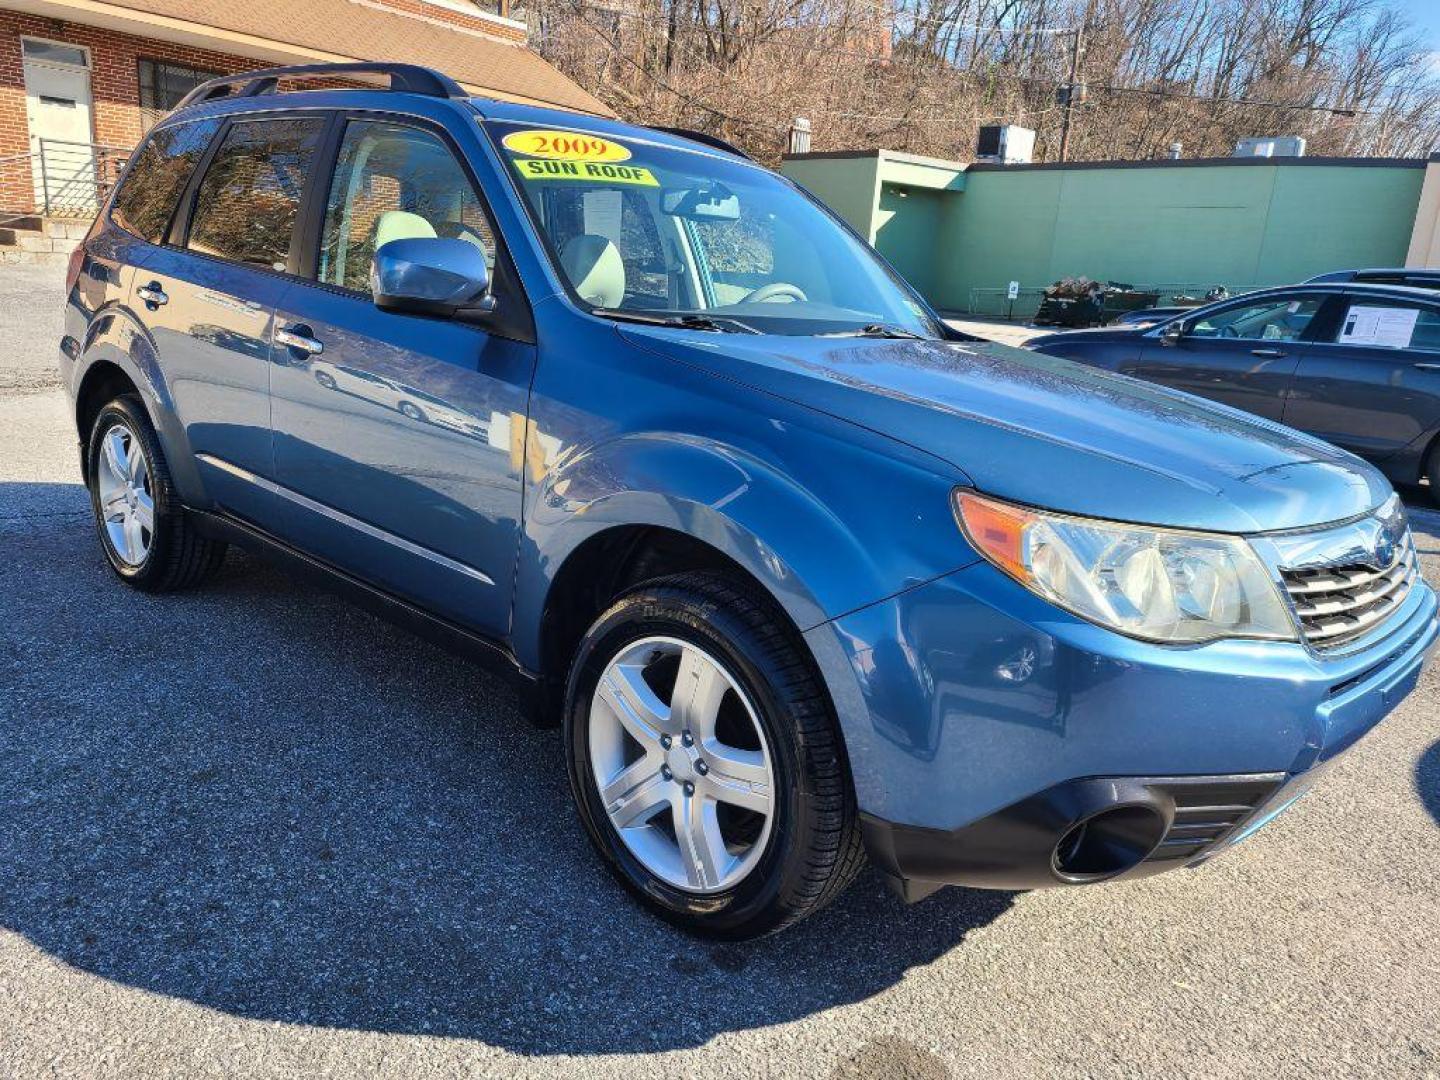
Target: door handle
x: 298, y: 337
x: 153, y: 295
x: 1427, y: 367
x: 1268, y: 354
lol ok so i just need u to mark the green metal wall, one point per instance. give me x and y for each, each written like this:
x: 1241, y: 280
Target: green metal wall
x: 1240, y: 226
x: 848, y: 185
x: 906, y: 224
x: 1243, y: 226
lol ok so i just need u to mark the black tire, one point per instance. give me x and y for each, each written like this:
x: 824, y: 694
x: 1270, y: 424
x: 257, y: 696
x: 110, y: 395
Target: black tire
x: 178, y: 557
x: 814, y: 849
x: 1432, y: 474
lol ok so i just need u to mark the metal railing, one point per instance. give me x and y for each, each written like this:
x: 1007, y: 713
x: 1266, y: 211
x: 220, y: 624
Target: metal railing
x: 60, y: 178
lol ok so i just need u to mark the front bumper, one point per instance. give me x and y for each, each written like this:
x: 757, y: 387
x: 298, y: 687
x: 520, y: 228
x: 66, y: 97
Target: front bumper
x: 996, y: 741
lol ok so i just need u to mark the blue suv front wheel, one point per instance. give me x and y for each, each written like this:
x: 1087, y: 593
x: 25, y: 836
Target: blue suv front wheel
x: 706, y: 761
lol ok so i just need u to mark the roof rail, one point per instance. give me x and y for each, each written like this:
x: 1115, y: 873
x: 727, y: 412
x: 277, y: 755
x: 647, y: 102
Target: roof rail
x: 708, y: 140
x: 407, y: 78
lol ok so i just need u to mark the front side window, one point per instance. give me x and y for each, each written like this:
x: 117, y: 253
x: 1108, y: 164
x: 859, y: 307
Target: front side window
x: 1389, y: 324
x: 660, y: 231
x: 1273, y: 319
x: 157, y: 178
x: 249, y: 201
x: 164, y: 85
x: 394, y: 182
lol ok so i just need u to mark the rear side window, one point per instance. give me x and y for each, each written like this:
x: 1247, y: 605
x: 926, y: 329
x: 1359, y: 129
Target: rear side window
x: 157, y: 177
x: 1389, y: 324
x: 249, y: 201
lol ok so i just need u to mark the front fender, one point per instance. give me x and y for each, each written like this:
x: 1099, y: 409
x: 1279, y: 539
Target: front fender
x: 870, y: 524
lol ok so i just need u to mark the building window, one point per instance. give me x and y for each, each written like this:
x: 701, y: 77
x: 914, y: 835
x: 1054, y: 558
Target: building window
x: 53, y: 52
x: 162, y: 86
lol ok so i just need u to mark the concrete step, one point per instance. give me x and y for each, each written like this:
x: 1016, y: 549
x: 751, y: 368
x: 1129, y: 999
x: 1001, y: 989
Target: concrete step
x: 14, y: 239
x: 12, y: 256
x: 27, y: 222
x: 66, y: 228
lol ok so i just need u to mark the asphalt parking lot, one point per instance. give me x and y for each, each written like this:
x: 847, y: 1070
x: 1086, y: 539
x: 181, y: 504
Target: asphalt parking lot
x: 250, y: 831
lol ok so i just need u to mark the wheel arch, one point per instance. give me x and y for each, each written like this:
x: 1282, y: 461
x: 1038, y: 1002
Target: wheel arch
x: 103, y: 382
x: 1430, y: 464
x: 647, y: 505
x: 118, y: 356
x: 606, y: 564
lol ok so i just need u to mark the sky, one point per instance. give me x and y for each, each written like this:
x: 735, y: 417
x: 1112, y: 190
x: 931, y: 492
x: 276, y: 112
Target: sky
x: 1425, y: 14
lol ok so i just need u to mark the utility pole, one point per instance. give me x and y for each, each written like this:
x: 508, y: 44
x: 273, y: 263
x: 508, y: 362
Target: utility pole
x: 1075, y: 47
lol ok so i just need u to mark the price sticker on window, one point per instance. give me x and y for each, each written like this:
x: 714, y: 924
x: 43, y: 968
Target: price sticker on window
x: 565, y: 146
x: 596, y: 171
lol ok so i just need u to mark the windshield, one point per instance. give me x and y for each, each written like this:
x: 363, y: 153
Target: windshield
x: 662, y: 234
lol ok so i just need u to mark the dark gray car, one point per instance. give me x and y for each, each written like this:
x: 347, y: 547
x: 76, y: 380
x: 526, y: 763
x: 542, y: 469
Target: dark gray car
x: 1356, y: 364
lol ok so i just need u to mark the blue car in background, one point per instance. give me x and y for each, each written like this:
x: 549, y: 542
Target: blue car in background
x: 802, y: 575
x: 1356, y: 363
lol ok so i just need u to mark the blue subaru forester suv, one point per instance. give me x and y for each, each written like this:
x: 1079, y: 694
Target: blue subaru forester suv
x: 804, y: 575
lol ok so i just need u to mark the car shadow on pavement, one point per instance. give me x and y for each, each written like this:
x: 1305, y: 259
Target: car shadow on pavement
x: 258, y: 799
x: 1427, y: 780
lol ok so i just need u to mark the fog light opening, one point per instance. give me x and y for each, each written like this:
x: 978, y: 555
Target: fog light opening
x: 1107, y: 844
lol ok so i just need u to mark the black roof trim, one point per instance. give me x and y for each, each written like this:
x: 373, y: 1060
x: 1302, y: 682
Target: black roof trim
x: 708, y: 140
x: 404, y: 78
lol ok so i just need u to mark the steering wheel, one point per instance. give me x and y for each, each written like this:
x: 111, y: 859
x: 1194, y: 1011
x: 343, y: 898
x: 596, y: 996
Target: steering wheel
x: 775, y: 290
x: 1228, y: 332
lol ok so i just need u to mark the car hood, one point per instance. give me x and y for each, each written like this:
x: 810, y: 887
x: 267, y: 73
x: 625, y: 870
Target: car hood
x: 1045, y: 431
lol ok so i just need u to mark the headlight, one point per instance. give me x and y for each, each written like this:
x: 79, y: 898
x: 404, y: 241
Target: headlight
x: 1150, y: 583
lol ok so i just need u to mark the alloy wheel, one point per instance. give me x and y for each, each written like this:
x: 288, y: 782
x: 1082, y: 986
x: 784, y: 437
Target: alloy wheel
x: 681, y: 763
x: 127, y: 502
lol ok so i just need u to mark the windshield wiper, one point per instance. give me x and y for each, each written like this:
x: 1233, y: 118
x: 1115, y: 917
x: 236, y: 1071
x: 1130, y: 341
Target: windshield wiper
x: 689, y: 321
x: 879, y: 330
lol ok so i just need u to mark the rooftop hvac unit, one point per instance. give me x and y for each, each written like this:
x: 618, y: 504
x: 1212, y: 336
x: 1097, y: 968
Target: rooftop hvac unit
x: 1272, y: 146
x: 1006, y: 144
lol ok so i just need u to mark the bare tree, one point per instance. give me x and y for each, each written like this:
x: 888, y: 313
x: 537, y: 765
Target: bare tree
x: 1352, y: 76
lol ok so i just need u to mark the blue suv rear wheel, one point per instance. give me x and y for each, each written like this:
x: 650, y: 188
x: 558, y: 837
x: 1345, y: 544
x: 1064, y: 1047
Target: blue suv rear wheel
x: 147, y: 539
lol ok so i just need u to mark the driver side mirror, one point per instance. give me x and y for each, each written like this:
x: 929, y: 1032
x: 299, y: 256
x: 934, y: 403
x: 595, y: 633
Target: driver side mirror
x: 431, y: 275
x: 1173, y: 332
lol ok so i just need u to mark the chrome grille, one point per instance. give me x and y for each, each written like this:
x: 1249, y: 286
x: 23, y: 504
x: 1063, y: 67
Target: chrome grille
x: 1337, y: 604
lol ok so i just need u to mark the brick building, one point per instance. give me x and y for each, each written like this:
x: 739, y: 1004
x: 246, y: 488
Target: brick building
x: 81, y: 80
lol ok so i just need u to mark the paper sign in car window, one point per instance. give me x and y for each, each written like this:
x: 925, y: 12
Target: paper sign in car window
x: 1385, y: 327
x: 593, y: 171
x: 565, y: 146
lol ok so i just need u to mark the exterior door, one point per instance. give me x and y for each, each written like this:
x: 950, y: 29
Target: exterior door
x: 1373, y: 386
x: 1244, y: 355
x: 396, y: 435
x: 57, y: 112
x: 209, y: 299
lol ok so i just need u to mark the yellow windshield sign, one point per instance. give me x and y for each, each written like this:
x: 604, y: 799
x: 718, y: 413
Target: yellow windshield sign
x: 595, y: 171
x: 565, y: 146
